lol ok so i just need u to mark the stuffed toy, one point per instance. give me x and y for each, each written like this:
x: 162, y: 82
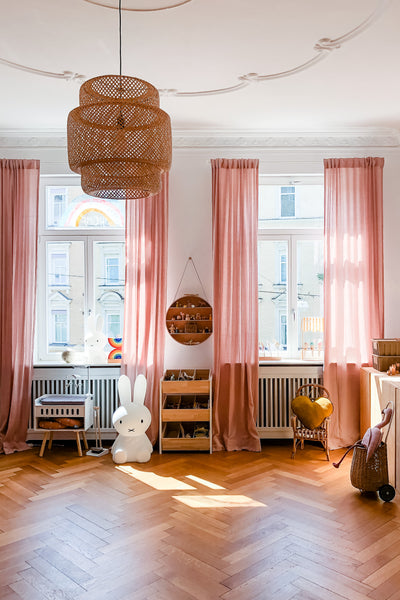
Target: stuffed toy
x: 311, y: 412
x: 95, y: 340
x: 131, y: 420
x: 372, y: 437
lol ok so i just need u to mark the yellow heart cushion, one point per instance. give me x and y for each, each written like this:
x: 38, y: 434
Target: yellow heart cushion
x: 311, y: 413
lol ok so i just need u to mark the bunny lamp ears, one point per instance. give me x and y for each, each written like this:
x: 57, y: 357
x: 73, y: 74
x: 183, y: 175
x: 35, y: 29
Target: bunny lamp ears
x: 139, y: 391
x: 125, y: 390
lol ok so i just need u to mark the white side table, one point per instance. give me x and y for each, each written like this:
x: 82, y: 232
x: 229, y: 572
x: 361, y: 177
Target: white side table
x: 62, y: 406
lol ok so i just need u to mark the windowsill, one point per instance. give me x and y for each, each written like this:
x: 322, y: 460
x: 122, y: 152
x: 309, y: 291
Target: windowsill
x: 59, y: 365
x: 281, y: 362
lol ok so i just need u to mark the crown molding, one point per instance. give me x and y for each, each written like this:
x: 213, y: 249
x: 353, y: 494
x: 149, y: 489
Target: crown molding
x: 387, y: 138
x: 357, y: 138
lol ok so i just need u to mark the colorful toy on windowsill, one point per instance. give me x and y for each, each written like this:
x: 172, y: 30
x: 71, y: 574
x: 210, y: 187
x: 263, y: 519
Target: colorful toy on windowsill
x: 116, y: 352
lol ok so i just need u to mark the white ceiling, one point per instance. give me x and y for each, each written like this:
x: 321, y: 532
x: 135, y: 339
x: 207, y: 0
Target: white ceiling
x: 203, y: 45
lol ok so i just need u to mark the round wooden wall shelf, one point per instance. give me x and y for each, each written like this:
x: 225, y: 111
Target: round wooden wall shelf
x: 189, y: 320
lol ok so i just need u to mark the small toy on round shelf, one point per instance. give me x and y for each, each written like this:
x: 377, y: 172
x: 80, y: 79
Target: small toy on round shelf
x: 131, y: 420
x: 394, y: 369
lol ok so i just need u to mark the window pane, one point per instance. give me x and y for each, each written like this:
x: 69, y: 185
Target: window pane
x: 112, y: 271
x: 58, y: 273
x: 294, y: 207
x: 65, y: 300
x: 272, y: 297
x: 288, y: 202
x: 310, y: 269
x: 109, y: 286
x: 113, y: 326
x: 59, y: 329
x: 67, y: 207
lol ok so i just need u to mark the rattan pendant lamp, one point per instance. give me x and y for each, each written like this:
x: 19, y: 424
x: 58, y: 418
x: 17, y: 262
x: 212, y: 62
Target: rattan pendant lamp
x: 119, y: 140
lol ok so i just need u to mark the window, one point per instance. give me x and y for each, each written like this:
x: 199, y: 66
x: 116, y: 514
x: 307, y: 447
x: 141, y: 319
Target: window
x: 112, y: 271
x: 283, y: 268
x: 80, y: 267
x: 113, y: 325
x: 58, y: 273
x: 56, y: 198
x: 59, y: 326
x: 290, y: 266
x: 288, y: 201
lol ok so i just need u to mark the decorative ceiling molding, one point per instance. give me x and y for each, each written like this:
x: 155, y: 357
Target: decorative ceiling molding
x: 323, y: 48
x: 68, y: 75
x: 384, y: 139
x: 379, y: 138
x: 114, y: 5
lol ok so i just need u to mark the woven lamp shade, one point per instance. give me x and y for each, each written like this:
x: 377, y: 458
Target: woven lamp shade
x: 119, y: 140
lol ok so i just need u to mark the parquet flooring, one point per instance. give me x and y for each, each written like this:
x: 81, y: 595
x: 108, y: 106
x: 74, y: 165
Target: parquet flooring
x: 230, y: 526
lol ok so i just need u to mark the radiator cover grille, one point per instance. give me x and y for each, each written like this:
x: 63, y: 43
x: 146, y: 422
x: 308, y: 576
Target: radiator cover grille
x: 277, y: 386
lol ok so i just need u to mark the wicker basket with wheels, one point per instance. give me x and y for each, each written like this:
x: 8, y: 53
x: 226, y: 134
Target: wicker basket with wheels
x: 311, y: 419
x: 371, y: 474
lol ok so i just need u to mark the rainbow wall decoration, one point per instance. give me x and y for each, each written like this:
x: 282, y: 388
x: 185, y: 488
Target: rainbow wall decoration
x: 110, y: 212
x: 116, y: 352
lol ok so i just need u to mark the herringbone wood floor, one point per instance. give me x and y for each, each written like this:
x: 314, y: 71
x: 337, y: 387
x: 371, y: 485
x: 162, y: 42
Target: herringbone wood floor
x: 235, y: 526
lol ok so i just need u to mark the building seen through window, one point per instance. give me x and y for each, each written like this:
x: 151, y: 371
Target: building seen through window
x: 290, y: 270
x: 81, y: 268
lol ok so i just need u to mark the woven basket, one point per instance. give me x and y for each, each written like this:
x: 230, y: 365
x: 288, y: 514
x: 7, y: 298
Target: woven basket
x: 369, y: 476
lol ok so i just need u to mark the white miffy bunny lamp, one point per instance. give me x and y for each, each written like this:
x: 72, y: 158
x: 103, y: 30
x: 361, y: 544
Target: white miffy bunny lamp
x: 131, y: 420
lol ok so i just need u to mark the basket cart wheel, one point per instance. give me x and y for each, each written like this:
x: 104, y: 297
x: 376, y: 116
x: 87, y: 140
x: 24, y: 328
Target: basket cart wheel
x: 386, y: 492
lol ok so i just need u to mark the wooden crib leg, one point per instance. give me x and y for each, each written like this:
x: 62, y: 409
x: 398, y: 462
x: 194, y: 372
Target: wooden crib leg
x: 78, y: 443
x: 43, y: 446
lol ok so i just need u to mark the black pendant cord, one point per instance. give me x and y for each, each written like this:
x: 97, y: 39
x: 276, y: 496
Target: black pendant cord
x: 120, y: 118
x: 120, y: 38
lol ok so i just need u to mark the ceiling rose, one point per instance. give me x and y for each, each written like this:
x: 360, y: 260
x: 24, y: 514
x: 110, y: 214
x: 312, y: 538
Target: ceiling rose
x: 140, y: 5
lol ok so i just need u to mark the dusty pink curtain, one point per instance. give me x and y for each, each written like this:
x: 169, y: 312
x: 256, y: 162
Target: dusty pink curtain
x: 235, y: 223
x: 353, y: 283
x: 145, y: 295
x: 19, y: 194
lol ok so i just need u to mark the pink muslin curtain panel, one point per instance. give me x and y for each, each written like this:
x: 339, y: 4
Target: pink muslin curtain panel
x: 353, y: 284
x: 235, y: 223
x: 145, y: 295
x: 19, y: 196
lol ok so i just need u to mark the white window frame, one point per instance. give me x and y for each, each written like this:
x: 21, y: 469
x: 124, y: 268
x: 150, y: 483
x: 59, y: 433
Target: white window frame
x: 87, y: 235
x: 291, y: 237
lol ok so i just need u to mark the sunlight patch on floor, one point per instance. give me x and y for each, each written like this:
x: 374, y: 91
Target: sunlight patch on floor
x: 218, y: 501
x: 209, y: 484
x: 157, y: 482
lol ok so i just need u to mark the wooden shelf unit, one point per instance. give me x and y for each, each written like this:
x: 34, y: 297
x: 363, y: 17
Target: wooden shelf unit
x: 185, y: 406
x: 187, y: 320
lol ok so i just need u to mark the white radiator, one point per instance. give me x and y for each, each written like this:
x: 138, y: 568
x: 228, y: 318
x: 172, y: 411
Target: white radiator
x: 101, y: 382
x: 277, y: 386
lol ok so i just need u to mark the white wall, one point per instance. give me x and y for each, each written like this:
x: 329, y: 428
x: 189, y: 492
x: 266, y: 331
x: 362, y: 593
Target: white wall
x: 190, y: 217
